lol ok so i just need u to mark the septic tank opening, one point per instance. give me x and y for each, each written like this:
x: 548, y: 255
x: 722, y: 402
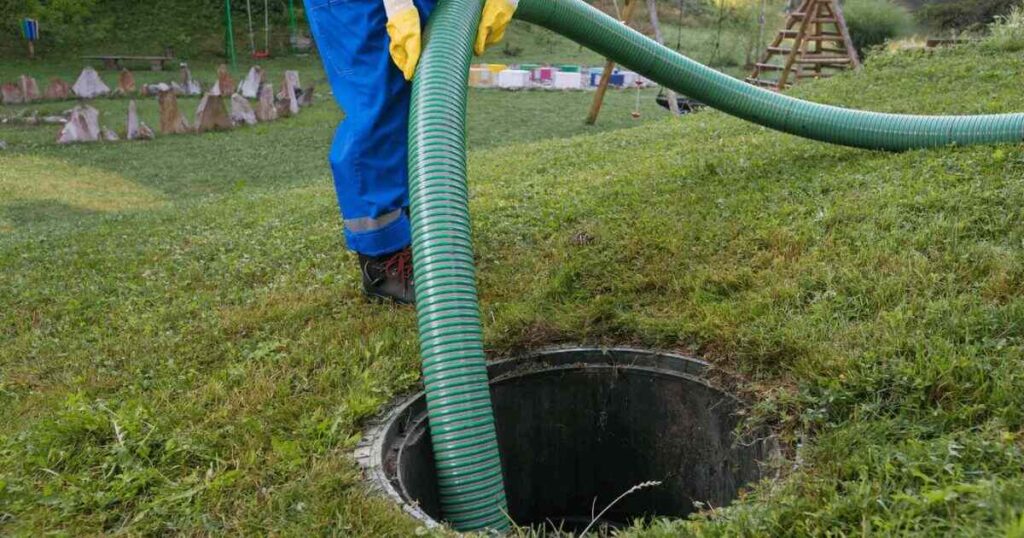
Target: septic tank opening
x: 577, y: 428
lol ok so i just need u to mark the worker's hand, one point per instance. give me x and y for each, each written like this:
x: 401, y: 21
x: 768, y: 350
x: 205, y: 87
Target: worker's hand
x: 496, y: 16
x: 406, y: 33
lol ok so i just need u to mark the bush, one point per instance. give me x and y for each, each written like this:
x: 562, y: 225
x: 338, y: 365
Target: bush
x: 962, y: 15
x: 873, y: 22
x: 1008, y: 31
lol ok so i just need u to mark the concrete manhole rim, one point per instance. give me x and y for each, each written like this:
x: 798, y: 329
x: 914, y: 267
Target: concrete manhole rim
x: 370, y: 453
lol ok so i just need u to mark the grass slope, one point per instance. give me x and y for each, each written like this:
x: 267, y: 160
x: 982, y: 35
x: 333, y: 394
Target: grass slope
x: 203, y: 365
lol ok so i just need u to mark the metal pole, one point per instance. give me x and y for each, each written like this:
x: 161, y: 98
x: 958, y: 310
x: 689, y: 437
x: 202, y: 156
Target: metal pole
x: 229, y: 35
x: 292, y: 25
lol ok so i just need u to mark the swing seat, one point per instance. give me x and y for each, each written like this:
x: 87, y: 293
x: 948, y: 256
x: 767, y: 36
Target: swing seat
x: 686, y: 105
x: 261, y: 55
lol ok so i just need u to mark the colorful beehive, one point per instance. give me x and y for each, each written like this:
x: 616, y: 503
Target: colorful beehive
x: 497, y: 68
x: 569, y: 68
x: 568, y: 81
x: 546, y: 74
x: 531, y: 68
x: 481, y: 77
x: 513, y: 79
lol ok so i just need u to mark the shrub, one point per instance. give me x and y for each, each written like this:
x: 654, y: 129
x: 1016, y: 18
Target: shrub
x: 873, y: 22
x: 1008, y: 31
x: 962, y: 15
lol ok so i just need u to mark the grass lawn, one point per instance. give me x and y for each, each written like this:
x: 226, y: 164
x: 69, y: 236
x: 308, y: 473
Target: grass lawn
x: 178, y: 167
x: 186, y: 350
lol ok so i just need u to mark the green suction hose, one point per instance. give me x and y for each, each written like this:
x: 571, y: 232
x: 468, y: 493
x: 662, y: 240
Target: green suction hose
x: 461, y: 419
x: 459, y: 406
x: 896, y: 132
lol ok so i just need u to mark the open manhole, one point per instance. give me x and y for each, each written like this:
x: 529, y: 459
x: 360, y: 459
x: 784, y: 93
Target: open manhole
x: 577, y: 428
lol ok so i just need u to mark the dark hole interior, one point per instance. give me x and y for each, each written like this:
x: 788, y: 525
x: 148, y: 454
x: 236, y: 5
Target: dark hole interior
x: 576, y: 434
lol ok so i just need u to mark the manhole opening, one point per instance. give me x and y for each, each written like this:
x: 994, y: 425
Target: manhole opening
x: 578, y: 428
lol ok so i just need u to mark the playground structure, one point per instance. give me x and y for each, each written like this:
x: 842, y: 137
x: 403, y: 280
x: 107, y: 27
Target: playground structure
x: 469, y: 474
x: 296, y: 41
x: 814, y: 44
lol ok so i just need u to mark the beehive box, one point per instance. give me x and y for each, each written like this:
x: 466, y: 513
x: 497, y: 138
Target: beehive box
x: 513, y: 79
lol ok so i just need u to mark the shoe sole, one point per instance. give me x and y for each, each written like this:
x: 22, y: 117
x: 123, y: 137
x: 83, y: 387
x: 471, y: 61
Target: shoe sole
x: 377, y: 298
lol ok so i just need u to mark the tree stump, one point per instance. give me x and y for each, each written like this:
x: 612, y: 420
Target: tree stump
x: 171, y: 119
x: 10, y: 94
x: 189, y: 86
x: 58, y: 90
x: 265, y: 110
x: 211, y: 115
x: 125, y: 83
x: 225, y: 83
x: 288, y: 102
x: 89, y: 85
x: 241, y: 111
x: 137, y: 129
x: 250, y: 86
x: 29, y: 89
x: 83, y: 126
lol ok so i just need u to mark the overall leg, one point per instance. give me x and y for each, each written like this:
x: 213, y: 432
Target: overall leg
x: 369, y: 153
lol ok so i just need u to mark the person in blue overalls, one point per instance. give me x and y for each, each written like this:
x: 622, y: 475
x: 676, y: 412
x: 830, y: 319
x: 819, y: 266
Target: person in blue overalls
x: 370, y: 49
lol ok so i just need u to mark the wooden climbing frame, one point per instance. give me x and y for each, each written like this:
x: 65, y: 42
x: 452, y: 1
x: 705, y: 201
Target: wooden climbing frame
x: 814, y: 44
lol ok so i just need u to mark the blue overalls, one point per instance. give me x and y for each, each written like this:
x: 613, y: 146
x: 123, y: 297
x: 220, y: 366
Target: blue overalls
x: 369, y: 153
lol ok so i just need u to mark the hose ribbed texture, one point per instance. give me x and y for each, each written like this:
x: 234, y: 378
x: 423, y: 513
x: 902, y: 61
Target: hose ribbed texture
x: 895, y: 132
x: 459, y: 408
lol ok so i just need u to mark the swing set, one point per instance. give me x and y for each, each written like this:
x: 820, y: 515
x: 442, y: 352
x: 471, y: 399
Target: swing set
x: 256, y: 53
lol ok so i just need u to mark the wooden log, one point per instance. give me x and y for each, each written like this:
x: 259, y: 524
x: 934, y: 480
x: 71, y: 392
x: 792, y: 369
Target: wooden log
x: 211, y: 114
x: 171, y: 119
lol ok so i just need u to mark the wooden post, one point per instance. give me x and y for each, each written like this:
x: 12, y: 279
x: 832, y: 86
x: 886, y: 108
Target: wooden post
x: 31, y: 50
x: 609, y: 67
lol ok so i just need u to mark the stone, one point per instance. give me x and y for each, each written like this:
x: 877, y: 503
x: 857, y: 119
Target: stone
x: 10, y: 94
x: 306, y: 97
x: 288, y: 102
x: 108, y: 135
x: 265, y: 110
x: 3, y: 145
x: 171, y: 119
x: 290, y: 78
x: 89, y: 85
x: 241, y: 111
x: 250, y: 86
x: 58, y: 90
x: 29, y: 89
x: 137, y: 129
x: 125, y: 82
x: 155, y: 89
x: 83, y: 126
x: 211, y: 115
x: 189, y: 85
x: 225, y: 84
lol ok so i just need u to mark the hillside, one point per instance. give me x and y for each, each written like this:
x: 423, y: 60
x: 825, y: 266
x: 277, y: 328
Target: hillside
x: 190, y: 353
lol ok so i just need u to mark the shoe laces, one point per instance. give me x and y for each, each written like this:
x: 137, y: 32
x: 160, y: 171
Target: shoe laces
x: 400, y: 265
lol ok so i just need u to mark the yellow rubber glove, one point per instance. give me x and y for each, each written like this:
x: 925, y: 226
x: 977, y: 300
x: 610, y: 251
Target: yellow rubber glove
x: 496, y: 16
x: 406, y: 33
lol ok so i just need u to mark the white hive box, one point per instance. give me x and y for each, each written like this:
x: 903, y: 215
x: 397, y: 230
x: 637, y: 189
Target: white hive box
x: 513, y: 79
x: 568, y: 81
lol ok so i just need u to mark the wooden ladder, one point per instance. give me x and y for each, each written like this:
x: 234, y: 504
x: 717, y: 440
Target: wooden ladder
x: 814, y: 44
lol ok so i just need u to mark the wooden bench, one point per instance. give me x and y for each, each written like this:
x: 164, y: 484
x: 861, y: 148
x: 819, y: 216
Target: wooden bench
x: 156, y: 63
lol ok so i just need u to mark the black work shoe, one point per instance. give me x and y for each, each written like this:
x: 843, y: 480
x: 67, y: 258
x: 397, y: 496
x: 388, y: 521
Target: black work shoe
x: 389, y: 277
